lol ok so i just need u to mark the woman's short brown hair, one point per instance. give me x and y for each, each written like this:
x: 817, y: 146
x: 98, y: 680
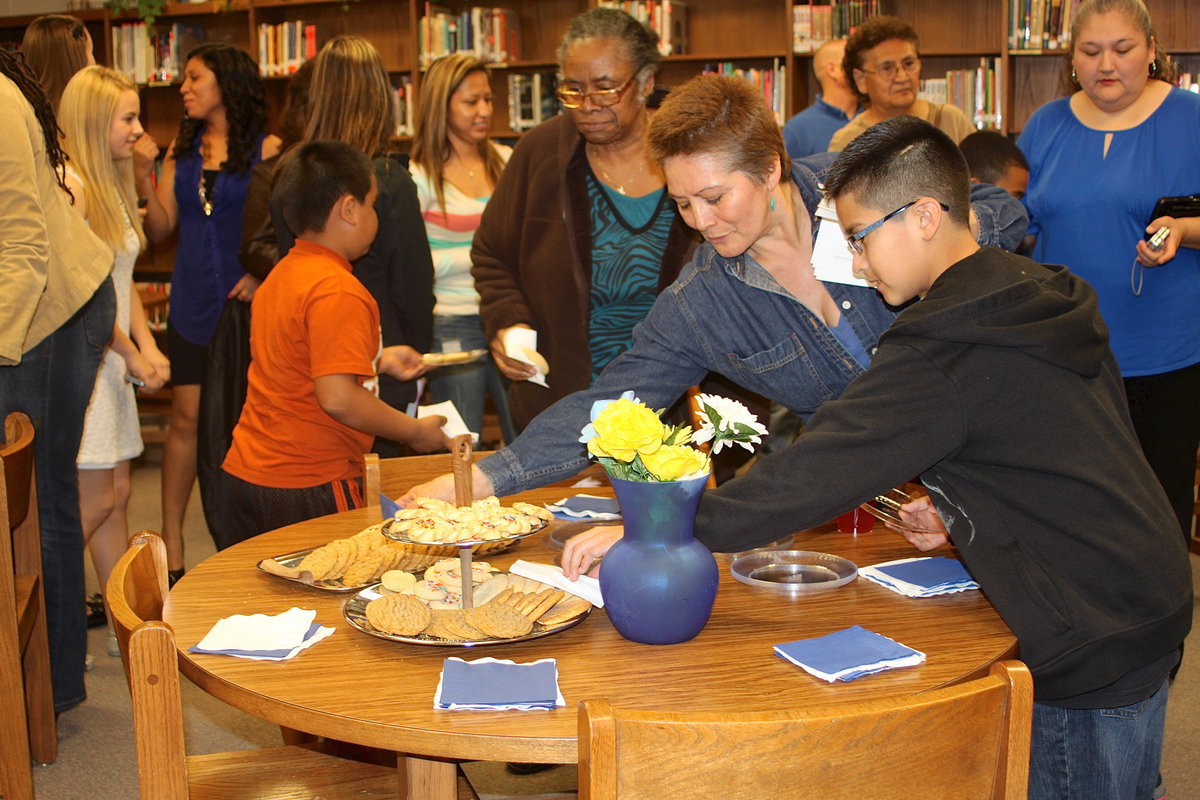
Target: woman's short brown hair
x: 872, y: 33
x: 721, y: 115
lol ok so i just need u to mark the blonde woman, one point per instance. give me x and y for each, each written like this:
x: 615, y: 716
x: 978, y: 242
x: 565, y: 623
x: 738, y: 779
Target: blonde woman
x: 455, y: 166
x: 351, y: 100
x: 99, y: 118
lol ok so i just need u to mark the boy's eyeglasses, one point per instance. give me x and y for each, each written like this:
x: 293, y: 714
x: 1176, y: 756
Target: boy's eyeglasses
x: 854, y: 240
x: 888, y: 70
x: 573, y: 98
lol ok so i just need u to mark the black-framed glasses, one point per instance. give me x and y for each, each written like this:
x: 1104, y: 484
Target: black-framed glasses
x: 574, y: 98
x: 854, y: 240
x: 888, y: 70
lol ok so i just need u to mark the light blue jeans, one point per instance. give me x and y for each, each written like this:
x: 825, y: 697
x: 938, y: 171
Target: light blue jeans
x: 466, y: 384
x: 1097, y: 753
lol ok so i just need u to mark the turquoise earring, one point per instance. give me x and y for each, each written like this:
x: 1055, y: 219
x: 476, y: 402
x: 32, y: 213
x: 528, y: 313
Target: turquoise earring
x: 772, y: 202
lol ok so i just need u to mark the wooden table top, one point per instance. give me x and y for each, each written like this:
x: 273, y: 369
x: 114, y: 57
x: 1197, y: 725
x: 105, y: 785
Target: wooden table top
x: 363, y: 689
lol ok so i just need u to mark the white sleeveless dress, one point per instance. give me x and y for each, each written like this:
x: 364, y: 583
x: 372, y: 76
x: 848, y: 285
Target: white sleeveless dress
x: 111, y: 431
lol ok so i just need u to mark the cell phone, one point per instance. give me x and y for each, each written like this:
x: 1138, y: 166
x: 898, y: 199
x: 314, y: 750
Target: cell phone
x: 1158, y: 237
x: 136, y: 381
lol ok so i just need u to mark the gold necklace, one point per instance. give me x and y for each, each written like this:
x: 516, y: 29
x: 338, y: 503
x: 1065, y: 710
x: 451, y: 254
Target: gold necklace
x: 618, y: 187
x: 205, y: 203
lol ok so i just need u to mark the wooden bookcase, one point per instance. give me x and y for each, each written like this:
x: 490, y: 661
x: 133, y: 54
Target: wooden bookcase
x: 753, y: 33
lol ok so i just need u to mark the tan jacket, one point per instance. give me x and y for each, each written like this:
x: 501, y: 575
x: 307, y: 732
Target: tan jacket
x: 50, y: 261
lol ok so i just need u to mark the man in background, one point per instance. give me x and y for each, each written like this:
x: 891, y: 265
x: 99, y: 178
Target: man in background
x: 809, y: 131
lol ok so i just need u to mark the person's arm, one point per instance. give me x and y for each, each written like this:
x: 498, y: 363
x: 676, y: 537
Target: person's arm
x: 162, y: 212
x: 259, y: 250
x: 896, y: 420
x: 24, y: 239
x: 341, y: 397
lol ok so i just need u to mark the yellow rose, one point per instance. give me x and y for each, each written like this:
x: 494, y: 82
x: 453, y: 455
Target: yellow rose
x: 624, y: 429
x: 672, y: 462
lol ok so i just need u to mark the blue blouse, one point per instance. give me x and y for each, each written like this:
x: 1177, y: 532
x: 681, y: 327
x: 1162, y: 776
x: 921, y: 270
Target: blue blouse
x: 206, y: 258
x: 1089, y: 209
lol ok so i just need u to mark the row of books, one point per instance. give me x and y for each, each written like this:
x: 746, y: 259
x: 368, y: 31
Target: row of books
x: 667, y: 18
x: 491, y: 34
x: 284, y: 47
x: 771, y: 83
x: 813, y: 24
x: 977, y: 92
x: 153, y: 55
x: 406, y: 105
x: 1040, y: 24
x: 531, y: 99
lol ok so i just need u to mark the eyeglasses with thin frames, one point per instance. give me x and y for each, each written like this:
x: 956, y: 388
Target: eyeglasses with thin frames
x: 854, y: 240
x: 888, y: 70
x: 573, y: 98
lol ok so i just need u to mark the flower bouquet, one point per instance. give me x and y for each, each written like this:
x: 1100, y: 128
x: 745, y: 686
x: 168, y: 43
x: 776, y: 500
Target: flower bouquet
x: 658, y: 582
x: 630, y: 441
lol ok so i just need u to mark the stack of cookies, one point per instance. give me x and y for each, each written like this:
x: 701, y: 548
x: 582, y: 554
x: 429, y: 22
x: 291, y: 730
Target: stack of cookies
x: 507, y: 607
x: 433, y: 520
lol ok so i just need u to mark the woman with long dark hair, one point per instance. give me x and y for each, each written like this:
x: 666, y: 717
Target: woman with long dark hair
x: 202, y: 191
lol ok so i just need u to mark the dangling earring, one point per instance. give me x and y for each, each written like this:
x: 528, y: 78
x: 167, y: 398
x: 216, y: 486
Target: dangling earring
x: 772, y: 202
x: 1153, y: 68
x: 1074, y: 77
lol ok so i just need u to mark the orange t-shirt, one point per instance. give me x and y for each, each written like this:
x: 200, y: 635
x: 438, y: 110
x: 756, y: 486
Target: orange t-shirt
x: 311, y: 317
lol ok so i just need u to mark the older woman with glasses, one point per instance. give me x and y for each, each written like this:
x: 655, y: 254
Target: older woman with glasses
x: 881, y: 60
x: 748, y: 306
x: 580, y: 236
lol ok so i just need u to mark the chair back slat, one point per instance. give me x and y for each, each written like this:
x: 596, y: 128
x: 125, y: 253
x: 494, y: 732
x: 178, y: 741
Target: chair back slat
x: 979, y: 729
x: 395, y: 476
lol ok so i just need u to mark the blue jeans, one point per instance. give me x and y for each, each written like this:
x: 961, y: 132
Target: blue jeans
x: 465, y: 384
x: 1097, y: 753
x: 53, y: 384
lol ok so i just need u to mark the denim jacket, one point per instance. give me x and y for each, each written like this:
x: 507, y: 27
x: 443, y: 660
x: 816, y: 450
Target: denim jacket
x: 729, y: 316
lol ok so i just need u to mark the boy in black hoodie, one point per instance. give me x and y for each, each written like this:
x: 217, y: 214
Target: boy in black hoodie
x: 999, y: 389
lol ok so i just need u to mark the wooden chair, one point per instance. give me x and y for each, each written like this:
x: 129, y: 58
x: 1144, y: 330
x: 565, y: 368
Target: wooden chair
x: 136, y: 590
x: 28, y: 729
x: 969, y: 740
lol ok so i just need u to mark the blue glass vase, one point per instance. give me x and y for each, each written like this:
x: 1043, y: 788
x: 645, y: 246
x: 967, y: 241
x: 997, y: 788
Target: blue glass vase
x: 658, y: 582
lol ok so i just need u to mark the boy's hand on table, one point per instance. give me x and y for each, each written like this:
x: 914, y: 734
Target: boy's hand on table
x: 920, y: 513
x: 582, y: 551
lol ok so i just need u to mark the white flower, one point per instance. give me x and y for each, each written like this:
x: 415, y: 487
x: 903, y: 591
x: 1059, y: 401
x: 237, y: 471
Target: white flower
x: 725, y: 421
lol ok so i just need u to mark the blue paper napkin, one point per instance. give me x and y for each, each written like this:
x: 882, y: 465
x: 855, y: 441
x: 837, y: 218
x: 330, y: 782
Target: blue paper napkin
x: 921, y: 577
x: 489, y: 684
x: 848, y: 654
x: 585, y: 507
x: 388, y: 506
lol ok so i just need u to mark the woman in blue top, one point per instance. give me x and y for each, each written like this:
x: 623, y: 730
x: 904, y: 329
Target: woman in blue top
x: 202, y: 191
x: 1098, y: 160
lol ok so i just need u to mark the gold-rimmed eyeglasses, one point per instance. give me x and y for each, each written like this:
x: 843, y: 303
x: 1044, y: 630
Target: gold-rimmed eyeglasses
x: 888, y: 70
x: 574, y: 98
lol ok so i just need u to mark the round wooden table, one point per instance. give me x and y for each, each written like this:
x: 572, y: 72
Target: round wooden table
x: 359, y: 688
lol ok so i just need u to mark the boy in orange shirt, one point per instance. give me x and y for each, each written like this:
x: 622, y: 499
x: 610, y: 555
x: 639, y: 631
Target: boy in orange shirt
x: 312, y: 407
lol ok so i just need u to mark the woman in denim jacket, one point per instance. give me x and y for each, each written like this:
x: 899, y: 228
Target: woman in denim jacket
x: 776, y: 331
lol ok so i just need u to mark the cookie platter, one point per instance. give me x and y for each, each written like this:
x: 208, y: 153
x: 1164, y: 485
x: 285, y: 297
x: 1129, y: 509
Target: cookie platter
x: 510, y: 609
x: 433, y: 522
x: 358, y: 561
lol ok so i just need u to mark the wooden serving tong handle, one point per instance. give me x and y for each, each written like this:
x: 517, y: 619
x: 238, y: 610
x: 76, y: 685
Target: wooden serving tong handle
x: 464, y: 493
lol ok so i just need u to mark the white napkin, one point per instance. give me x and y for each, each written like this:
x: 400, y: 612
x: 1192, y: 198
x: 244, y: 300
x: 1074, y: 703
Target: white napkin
x: 516, y: 342
x: 831, y: 260
x: 585, y: 587
x: 262, y: 637
x: 454, y: 422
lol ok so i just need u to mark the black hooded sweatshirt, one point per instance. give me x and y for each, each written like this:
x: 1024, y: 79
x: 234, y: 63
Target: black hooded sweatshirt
x: 999, y: 389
